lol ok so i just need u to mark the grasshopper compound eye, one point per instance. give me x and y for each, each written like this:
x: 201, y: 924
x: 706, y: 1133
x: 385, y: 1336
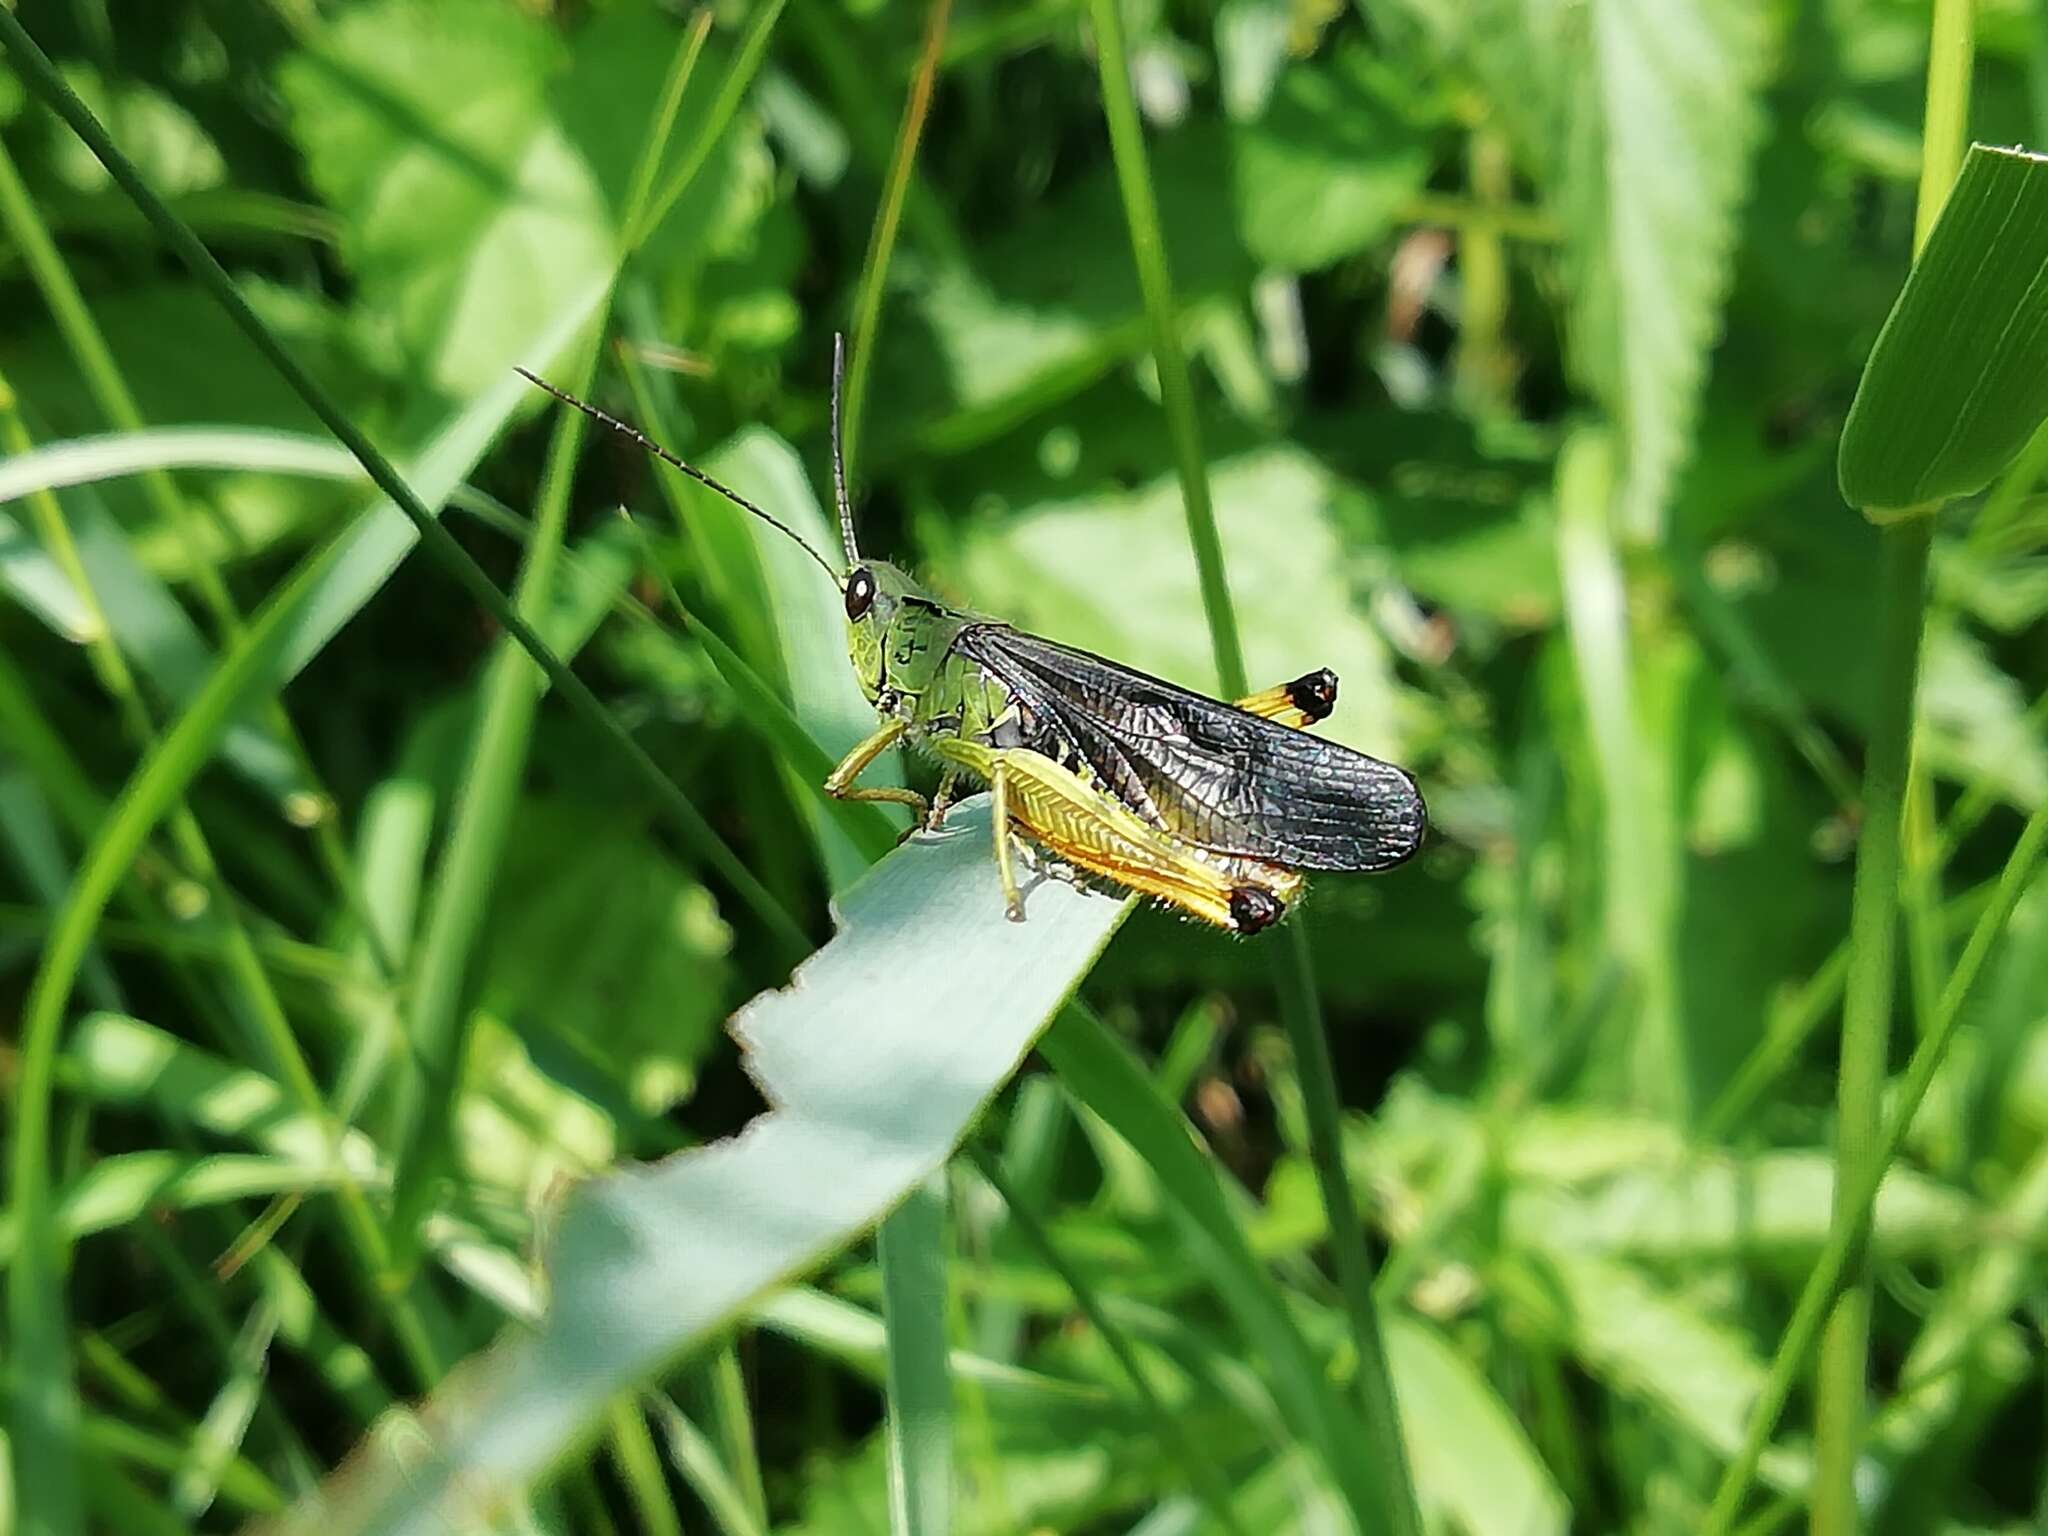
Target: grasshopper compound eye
x: 860, y: 594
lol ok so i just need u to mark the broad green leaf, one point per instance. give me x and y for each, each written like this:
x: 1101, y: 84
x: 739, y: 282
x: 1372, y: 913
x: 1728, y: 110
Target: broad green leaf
x: 1647, y: 1344
x: 1709, y: 1205
x: 1328, y: 168
x: 596, y: 935
x: 1659, y: 121
x: 872, y: 1080
x: 465, y: 206
x: 1958, y: 380
x: 1454, y: 1421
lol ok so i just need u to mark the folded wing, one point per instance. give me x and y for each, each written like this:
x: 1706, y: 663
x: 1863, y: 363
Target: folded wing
x: 1207, y: 772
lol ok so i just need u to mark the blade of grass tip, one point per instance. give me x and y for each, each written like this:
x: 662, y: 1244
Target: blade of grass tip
x: 1293, y: 967
x: 428, y: 1086
x: 911, y: 1245
x: 1841, y: 1378
x: 867, y: 303
x: 681, y: 67
x: 41, y: 76
x: 746, y: 64
x: 1202, y: 1473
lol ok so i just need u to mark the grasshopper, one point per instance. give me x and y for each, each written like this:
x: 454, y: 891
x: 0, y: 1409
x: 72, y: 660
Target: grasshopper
x: 1217, y: 809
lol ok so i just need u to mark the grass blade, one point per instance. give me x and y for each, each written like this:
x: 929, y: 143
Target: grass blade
x: 912, y: 1248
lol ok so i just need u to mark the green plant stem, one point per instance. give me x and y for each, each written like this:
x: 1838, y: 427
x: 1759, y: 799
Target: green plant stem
x: 867, y: 303
x: 1148, y: 251
x: 1867, y: 1011
x: 41, y: 76
x: 1293, y: 967
x: 1845, y: 1241
x: 1840, y: 1381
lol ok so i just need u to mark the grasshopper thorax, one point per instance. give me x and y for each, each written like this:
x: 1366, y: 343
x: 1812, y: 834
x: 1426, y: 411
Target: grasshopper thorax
x: 897, y: 633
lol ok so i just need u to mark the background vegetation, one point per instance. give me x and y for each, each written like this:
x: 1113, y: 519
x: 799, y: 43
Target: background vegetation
x: 1520, y: 338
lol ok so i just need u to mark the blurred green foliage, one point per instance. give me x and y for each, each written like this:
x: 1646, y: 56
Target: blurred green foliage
x: 1420, y: 249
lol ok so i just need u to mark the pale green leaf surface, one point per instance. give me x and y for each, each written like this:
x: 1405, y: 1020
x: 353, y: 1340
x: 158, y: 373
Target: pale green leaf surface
x: 1958, y: 380
x: 127, y: 1185
x: 1454, y: 1422
x: 1327, y: 169
x: 872, y: 1080
x: 1714, y: 1205
x: 1652, y: 1346
x: 1655, y: 165
x: 465, y: 207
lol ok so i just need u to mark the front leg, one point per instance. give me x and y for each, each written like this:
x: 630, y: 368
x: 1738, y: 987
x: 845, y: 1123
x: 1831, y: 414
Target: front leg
x: 839, y: 783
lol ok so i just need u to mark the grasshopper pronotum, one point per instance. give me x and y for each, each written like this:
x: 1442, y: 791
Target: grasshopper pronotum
x: 1215, y: 808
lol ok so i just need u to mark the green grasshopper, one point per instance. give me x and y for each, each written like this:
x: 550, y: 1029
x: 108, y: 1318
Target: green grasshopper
x: 1215, y: 808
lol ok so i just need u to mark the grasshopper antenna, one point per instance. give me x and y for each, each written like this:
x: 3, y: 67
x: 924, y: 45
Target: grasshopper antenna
x: 696, y: 474
x: 839, y: 453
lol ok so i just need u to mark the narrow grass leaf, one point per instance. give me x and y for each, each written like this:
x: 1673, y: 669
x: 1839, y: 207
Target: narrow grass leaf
x: 1958, y: 380
x: 127, y: 1185
x: 857, y: 1338
x: 911, y: 1247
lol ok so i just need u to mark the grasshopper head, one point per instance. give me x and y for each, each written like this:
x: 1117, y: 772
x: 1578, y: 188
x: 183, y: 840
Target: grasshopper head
x: 892, y: 629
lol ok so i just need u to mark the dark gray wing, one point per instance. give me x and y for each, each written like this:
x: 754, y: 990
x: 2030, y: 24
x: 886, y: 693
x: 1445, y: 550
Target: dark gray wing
x: 1209, y: 773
